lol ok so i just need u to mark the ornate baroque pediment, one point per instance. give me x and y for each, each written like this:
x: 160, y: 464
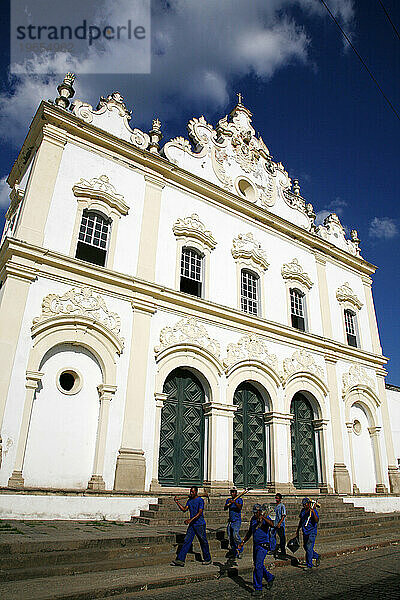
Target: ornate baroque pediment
x: 356, y: 375
x: 333, y: 231
x: 294, y: 271
x: 345, y: 294
x: 250, y: 347
x: 187, y: 331
x: 100, y: 188
x: 246, y: 247
x: 299, y: 362
x: 112, y: 115
x: 80, y: 302
x: 194, y: 228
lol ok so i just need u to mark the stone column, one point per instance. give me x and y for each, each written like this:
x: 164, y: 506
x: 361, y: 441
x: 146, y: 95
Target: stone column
x: 106, y: 393
x: 12, y: 307
x: 369, y: 304
x: 320, y: 427
x: 349, y: 426
x: 393, y: 471
x: 341, y: 476
x: 33, y: 378
x: 160, y: 399
x: 281, y: 451
x: 374, y: 433
x: 130, y: 470
x: 219, y: 444
x: 148, y: 243
x: 323, y: 295
x: 40, y: 189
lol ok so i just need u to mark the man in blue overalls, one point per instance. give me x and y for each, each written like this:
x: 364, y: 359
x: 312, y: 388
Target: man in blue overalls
x: 280, y: 516
x: 308, y: 521
x: 196, y: 527
x: 263, y: 540
x: 235, y: 505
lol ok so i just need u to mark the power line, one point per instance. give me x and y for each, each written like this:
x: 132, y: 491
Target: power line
x: 389, y: 19
x: 362, y: 61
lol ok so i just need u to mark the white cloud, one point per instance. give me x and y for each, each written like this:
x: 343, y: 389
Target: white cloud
x: 383, y: 228
x: 198, y: 49
x: 4, y: 193
x: 335, y: 206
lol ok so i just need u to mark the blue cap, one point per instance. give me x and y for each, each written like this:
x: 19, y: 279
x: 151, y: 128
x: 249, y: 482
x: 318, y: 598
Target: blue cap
x: 257, y: 507
x: 305, y: 501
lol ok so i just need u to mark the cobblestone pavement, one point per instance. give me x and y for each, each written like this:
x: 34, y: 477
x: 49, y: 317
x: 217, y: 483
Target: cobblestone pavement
x: 367, y: 575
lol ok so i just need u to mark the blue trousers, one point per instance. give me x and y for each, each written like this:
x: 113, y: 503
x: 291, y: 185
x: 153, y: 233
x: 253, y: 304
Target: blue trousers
x: 200, y: 532
x: 259, y: 554
x: 233, y: 530
x: 308, y: 544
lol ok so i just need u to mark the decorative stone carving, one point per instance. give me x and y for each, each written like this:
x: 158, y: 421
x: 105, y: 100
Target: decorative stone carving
x: 100, y: 188
x: 333, y: 231
x: 246, y: 247
x: 194, y: 228
x: 187, y: 331
x: 301, y: 361
x: 250, y: 347
x: 66, y: 91
x: 356, y: 375
x: 345, y: 294
x: 294, y: 270
x: 112, y: 115
x: 82, y: 302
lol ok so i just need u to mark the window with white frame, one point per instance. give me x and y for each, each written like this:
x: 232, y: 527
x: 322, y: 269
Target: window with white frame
x: 93, y: 238
x: 298, y: 309
x: 191, y: 272
x: 350, y: 322
x: 249, y: 292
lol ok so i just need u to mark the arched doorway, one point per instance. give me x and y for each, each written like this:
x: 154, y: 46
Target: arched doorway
x: 304, y: 457
x: 182, y: 431
x: 249, y: 444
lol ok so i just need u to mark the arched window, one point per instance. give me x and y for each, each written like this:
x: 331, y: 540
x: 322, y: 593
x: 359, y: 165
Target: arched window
x: 350, y: 323
x: 191, y: 272
x: 93, y: 238
x: 249, y: 292
x: 298, y: 309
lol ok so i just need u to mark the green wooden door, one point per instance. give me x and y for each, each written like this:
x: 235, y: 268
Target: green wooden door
x: 304, y: 459
x: 182, y: 431
x: 249, y: 460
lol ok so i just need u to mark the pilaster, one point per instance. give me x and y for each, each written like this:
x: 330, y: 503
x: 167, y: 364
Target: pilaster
x: 320, y: 427
x: 280, y: 451
x: 219, y: 444
x: 323, y: 295
x: 146, y: 267
x: 160, y: 398
x: 106, y: 393
x: 374, y: 434
x: 393, y: 471
x: 369, y: 303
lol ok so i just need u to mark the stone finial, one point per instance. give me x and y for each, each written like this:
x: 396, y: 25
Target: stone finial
x: 354, y: 236
x: 311, y: 215
x: 66, y: 91
x: 155, y: 136
x: 296, y: 187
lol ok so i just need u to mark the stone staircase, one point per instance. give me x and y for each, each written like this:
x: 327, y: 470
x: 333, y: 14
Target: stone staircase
x: 153, y: 538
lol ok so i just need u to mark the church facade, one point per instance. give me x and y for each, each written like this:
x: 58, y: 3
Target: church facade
x: 173, y: 316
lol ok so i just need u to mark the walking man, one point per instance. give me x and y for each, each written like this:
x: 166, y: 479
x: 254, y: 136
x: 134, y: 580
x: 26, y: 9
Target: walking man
x: 196, y: 527
x: 260, y: 529
x: 280, y: 516
x: 308, y: 521
x: 234, y: 505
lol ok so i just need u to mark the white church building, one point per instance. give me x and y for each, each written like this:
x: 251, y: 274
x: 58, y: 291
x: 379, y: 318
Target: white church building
x: 173, y: 316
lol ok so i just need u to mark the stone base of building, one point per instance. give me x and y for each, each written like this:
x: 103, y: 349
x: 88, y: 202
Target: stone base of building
x: 130, y: 471
x: 394, y: 479
x: 96, y: 483
x: 341, y: 479
x: 16, y: 480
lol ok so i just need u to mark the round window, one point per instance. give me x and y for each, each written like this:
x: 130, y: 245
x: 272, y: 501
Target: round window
x: 246, y: 190
x: 69, y: 381
x: 356, y: 426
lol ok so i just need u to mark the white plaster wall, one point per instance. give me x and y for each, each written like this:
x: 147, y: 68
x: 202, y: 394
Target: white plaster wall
x: 16, y: 396
x: 364, y: 476
x: 393, y: 400
x: 62, y: 430
x: 378, y: 504
x: 225, y: 226
x: 24, y: 506
x: 79, y: 162
x: 336, y: 276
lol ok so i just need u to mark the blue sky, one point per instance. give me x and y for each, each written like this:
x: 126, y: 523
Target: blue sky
x: 313, y: 103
